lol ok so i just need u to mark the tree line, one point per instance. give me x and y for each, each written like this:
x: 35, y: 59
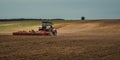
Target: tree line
x: 23, y: 19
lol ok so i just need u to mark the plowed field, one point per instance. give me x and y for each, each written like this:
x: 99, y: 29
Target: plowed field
x: 76, y: 40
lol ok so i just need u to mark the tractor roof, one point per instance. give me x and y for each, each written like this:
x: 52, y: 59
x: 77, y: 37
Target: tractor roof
x: 46, y: 23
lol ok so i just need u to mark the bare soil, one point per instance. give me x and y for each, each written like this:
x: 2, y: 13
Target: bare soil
x: 89, y: 40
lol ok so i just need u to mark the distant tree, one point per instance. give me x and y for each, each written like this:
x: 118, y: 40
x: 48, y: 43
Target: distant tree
x: 82, y: 18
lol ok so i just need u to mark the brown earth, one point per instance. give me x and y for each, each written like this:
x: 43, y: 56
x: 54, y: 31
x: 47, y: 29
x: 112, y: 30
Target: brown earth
x: 81, y: 40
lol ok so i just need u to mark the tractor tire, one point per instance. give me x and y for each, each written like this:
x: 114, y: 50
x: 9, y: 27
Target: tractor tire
x: 54, y: 32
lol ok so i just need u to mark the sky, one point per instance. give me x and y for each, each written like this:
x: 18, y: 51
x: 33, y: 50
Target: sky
x: 66, y: 9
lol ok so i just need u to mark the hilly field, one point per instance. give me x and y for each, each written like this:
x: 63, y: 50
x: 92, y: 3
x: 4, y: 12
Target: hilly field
x: 76, y: 40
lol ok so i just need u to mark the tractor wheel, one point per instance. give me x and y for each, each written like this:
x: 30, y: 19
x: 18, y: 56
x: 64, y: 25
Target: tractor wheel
x: 54, y: 32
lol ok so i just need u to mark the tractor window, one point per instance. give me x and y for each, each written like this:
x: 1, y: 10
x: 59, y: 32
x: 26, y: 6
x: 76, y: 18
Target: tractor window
x: 49, y: 24
x: 43, y: 24
x: 46, y: 24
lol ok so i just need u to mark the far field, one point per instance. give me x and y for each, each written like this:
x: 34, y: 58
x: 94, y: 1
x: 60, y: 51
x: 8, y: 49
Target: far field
x: 76, y: 40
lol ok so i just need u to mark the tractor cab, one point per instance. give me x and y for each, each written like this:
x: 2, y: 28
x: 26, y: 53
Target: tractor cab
x: 46, y: 26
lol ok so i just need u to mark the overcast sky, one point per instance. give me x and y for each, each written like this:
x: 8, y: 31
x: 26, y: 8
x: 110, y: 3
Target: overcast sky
x: 67, y: 9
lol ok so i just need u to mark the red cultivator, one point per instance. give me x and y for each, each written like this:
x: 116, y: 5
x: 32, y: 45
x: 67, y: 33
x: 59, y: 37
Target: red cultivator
x: 46, y: 29
x: 31, y: 33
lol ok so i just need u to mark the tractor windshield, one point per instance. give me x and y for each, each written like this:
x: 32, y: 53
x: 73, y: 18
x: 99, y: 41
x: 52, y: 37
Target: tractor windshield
x: 46, y: 24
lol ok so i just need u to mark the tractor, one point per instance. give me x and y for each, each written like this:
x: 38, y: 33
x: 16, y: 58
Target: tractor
x: 46, y: 29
